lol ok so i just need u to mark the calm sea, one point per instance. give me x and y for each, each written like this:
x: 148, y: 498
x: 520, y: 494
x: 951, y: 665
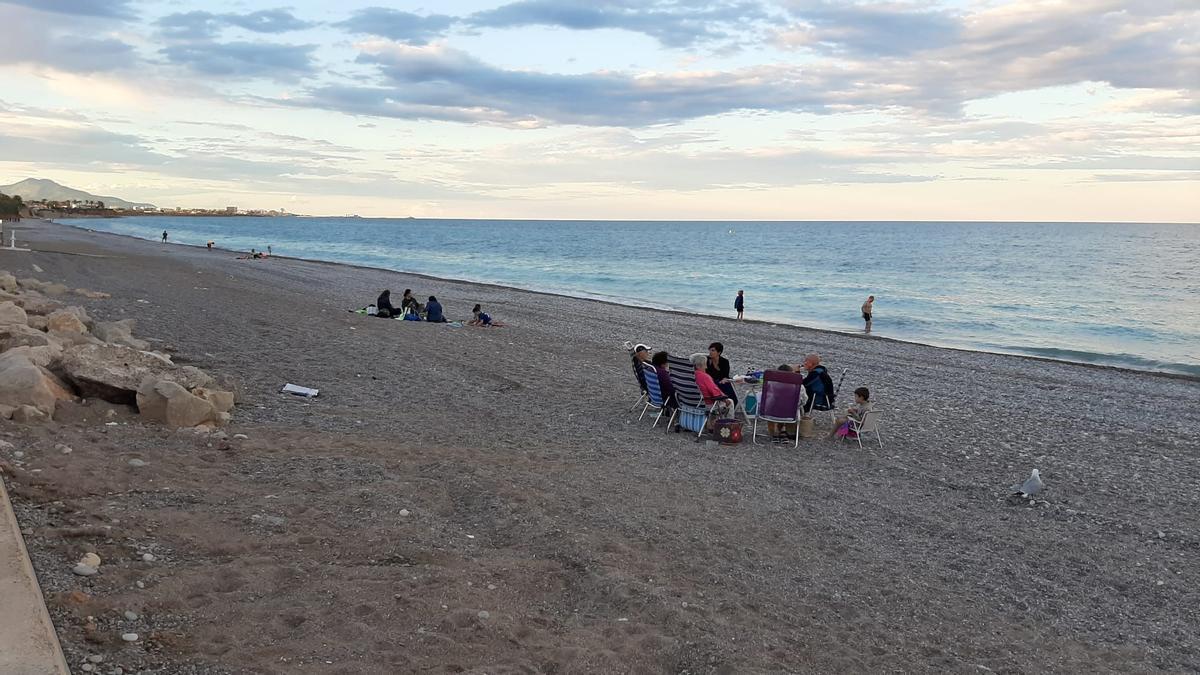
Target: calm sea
x: 1119, y: 294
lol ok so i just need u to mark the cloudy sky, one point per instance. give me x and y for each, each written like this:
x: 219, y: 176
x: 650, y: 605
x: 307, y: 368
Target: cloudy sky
x: 656, y: 109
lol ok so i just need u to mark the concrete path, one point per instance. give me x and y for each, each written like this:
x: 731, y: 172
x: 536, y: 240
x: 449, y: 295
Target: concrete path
x: 28, y: 644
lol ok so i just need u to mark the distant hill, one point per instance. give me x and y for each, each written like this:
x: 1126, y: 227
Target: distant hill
x: 41, y: 189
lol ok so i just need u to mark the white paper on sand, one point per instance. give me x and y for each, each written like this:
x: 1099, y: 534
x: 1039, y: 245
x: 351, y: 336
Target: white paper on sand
x: 299, y: 391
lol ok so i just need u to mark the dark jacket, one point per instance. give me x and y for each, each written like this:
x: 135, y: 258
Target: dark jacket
x: 721, y: 372
x: 384, y: 304
x: 665, y: 386
x: 819, y: 386
x: 433, y: 312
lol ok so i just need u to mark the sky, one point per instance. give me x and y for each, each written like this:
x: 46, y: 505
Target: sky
x: 1058, y: 110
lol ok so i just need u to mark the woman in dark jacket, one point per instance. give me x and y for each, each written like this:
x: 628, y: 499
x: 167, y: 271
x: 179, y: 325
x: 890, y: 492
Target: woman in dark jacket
x: 383, y: 306
x: 717, y: 368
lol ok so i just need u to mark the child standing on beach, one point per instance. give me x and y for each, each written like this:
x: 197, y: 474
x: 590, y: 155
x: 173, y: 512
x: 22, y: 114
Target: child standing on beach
x: 739, y: 303
x: 868, y: 308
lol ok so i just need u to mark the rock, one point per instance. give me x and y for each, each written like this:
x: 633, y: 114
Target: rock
x: 23, y: 383
x: 55, y: 289
x: 119, y: 333
x: 169, y: 403
x: 227, y: 382
x: 36, y: 303
x: 148, y: 557
x: 21, y: 335
x: 37, y: 322
x: 87, y: 667
x: 241, y: 437
x: 28, y: 414
x: 129, y: 637
x: 84, y: 570
x: 269, y: 521
x: 140, y: 584
x: 137, y: 463
x: 65, y: 321
x: 45, y: 356
x: 6, y: 411
x: 96, y: 658
x: 91, y: 560
x: 92, y: 295
x: 64, y: 449
x: 131, y: 616
x: 10, y: 314
x: 115, y: 373
x: 8, y: 282
x: 404, y: 513
x: 221, y: 400
x: 484, y: 614
x: 31, y: 283
x: 491, y: 587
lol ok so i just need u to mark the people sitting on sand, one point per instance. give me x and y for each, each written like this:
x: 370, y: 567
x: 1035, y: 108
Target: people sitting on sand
x: 719, y: 404
x: 383, y: 306
x: 433, y: 311
x: 862, y: 405
x: 409, y: 302
x: 817, y: 384
x: 663, y: 369
x: 718, y: 370
x: 482, y: 318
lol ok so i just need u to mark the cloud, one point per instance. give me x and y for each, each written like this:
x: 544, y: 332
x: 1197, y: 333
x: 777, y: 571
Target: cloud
x: 394, y: 24
x: 244, y: 59
x: 114, y: 9
x: 674, y: 24
x: 886, y: 28
x: 41, y: 41
x: 202, y: 25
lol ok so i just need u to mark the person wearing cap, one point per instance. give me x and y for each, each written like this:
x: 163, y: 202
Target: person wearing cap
x: 641, y: 354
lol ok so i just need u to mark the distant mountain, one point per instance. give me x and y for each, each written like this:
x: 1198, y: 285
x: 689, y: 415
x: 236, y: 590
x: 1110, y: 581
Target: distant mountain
x: 41, y: 189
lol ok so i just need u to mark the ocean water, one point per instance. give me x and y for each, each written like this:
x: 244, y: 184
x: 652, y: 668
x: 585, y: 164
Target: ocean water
x: 1117, y: 294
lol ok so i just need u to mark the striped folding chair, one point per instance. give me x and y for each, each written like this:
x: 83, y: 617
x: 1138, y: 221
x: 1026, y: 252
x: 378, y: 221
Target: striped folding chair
x: 690, y: 407
x: 654, y: 397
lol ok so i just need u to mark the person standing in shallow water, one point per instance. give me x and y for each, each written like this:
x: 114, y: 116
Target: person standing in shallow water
x: 739, y: 303
x: 164, y: 236
x: 868, y: 310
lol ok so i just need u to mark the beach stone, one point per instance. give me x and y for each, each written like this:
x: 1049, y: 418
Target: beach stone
x: 45, y: 356
x: 28, y: 414
x: 96, y: 658
x: 37, y: 321
x: 221, y: 400
x: 36, y: 303
x: 24, y: 383
x: 84, y: 570
x: 31, y: 284
x: 10, y: 313
x: 148, y: 557
x: 65, y: 321
x: 131, y: 616
x: 129, y: 637
x: 21, y: 335
x: 170, y: 403
x: 91, y: 295
x: 114, y: 373
x: 8, y: 282
x: 87, y: 667
x: 6, y: 411
x: 119, y: 333
x: 137, y: 463
x: 55, y: 289
x: 90, y: 559
x: 484, y: 614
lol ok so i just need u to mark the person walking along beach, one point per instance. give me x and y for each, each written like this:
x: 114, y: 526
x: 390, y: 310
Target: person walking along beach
x: 868, y: 309
x: 739, y: 303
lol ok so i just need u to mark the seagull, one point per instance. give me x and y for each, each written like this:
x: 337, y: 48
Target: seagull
x: 1031, y: 486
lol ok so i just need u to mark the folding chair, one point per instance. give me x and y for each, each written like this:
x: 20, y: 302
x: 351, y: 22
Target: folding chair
x: 782, y: 401
x: 690, y: 407
x: 639, y: 373
x: 867, y: 425
x: 654, y: 397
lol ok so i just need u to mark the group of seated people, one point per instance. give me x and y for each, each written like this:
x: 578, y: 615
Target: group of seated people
x: 712, y: 373
x: 409, y: 308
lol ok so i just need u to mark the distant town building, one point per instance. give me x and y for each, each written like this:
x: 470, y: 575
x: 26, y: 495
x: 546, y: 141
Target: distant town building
x: 231, y: 210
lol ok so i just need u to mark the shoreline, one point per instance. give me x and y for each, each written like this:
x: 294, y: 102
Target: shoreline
x: 667, y: 310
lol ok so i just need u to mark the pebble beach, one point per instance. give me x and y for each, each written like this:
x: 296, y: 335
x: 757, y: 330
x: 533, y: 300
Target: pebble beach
x: 481, y: 500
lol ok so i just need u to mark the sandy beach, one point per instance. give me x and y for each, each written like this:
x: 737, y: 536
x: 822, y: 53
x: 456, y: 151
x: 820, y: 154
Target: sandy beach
x: 482, y: 501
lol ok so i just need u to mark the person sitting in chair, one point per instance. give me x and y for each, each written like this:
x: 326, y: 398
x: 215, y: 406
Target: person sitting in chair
x: 862, y: 405
x: 719, y: 404
x: 662, y: 367
x: 817, y: 384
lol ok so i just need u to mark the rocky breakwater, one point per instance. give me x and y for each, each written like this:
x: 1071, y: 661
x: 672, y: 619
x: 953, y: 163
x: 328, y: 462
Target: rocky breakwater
x: 52, y: 352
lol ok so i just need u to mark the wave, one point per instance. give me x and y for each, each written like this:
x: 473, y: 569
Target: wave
x: 1122, y: 360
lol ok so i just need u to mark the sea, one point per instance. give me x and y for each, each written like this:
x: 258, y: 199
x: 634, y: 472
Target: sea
x: 1121, y: 294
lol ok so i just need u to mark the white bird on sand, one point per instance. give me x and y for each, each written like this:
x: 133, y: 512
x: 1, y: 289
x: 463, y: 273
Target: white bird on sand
x: 1031, y: 486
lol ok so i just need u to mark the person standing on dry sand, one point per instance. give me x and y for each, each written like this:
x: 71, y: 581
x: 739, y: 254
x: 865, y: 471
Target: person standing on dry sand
x: 868, y: 309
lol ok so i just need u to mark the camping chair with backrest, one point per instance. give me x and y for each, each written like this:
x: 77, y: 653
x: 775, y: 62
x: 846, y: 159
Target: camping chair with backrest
x: 640, y: 374
x: 782, y: 401
x: 654, y: 397
x: 690, y: 407
x: 869, y: 424
x: 826, y: 400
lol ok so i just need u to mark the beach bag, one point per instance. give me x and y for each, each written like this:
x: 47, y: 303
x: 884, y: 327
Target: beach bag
x: 372, y: 310
x: 806, y: 427
x: 750, y: 404
x: 411, y: 317
x: 692, y: 421
x: 729, y: 431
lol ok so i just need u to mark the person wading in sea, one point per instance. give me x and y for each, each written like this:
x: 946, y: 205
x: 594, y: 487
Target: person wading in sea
x: 164, y: 236
x: 868, y: 309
